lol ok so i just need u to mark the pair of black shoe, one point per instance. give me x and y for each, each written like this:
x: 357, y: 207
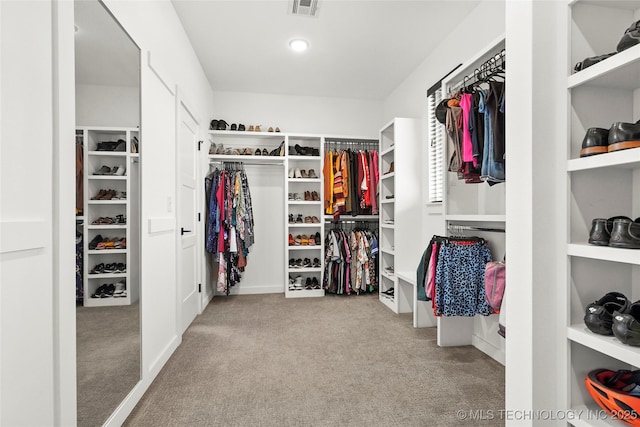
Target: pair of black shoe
x: 306, y: 151
x: 617, y: 232
x: 621, y: 136
x: 631, y: 37
x: 614, y: 314
x: 222, y: 125
x: 104, y: 291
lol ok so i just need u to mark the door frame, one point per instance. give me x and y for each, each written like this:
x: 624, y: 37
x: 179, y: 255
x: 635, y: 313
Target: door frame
x: 182, y: 101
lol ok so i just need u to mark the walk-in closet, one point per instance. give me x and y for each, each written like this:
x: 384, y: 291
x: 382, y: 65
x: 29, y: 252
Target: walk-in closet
x: 319, y: 213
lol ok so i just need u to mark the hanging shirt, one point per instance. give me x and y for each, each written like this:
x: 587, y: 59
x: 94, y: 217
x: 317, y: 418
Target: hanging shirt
x: 467, y: 145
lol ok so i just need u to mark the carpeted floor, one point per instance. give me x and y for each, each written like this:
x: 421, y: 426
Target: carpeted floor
x: 263, y: 360
x: 108, y: 359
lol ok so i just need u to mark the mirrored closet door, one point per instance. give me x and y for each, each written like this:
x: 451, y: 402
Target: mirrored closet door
x: 107, y: 152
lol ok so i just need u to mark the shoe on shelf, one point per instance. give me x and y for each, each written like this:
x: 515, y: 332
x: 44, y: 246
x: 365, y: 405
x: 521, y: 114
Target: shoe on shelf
x: 298, y: 283
x: 390, y: 169
x: 307, y: 220
x: 625, y: 234
x: 120, y: 289
x: 241, y: 128
x: 291, y: 241
x: 104, y: 170
x: 250, y: 128
x: 213, y: 125
x: 304, y: 240
x: 623, y: 136
x: 312, y: 174
x: 314, y: 196
x: 291, y: 173
x: 307, y: 284
x: 588, y: 62
x: 258, y: 152
x: 297, y: 173
x: 626, y: 326
x: 264, y: 150
x: 631, y: 37
x: 257, y: 128
x: 292, y: 287
x: 306, y: 263
x: 101, y: 289
x: 270, y: 129
x: 100, y: 194
x: 277, y: 129
x: 303, y: 173
x: 97, y: 269
x: 291, y: 220
x: 297, y: 197
x: 222, y: 125
x: 93, y: 244
x: 234, y: 127
x: 307, y: 196
x: 389, y: 269
x: 118, y: 170
x: 599, y: 314
x: 316, y: 263
x: 299, y: 219
x: 600, y: 233
x: 390, y: 196
x: 314, y: 283
x: 315, y: 220
x: 317, y: 237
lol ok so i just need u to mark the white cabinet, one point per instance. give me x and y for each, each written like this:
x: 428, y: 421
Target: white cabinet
x: 111, y: 217
x: 400, y: 212
x: 599, y: 186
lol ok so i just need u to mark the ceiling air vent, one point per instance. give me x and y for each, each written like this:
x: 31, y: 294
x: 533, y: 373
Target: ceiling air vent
x: 303, y: 7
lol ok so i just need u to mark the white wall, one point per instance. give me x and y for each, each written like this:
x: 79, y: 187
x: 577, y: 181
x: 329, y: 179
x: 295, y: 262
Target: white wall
x: 300, y: 114
x: 110, y: 106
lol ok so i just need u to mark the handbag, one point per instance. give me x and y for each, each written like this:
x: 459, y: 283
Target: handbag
x: 494, y: 282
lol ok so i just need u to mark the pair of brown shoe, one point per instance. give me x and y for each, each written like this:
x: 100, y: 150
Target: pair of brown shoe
x: 311, y: 196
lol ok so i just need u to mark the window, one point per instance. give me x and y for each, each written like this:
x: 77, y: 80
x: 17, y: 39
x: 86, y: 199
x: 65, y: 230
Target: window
x: 436, y: 148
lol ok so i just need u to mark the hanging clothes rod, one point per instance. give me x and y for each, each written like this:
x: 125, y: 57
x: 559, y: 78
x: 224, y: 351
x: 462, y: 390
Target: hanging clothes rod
x: 349, y: 218
x: 256, y: 162
x: 454, y: 228
x: 490, y: 68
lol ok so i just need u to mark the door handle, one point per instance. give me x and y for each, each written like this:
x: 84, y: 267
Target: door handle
x: 182, y: 231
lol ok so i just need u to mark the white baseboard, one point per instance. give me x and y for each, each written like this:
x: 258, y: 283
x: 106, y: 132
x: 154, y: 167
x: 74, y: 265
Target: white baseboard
x: 254, y: 290
x: 489, y: 349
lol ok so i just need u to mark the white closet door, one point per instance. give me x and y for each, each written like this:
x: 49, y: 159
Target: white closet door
x: 187, y: 248
x: 26, y: 209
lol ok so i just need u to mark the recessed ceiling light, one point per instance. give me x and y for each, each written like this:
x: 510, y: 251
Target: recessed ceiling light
x: 298, y: 45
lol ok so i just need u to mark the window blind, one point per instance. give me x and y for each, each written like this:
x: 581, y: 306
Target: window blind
x: 436, y: 149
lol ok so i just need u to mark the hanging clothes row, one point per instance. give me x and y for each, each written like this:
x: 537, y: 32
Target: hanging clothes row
x: 229, y: 222
x: 351, y: 261
x: 451, y: 276
x: 351, y: 182
x: 474, y: 117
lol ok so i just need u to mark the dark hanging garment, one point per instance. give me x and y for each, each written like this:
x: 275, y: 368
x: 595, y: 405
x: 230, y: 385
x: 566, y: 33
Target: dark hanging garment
x: 494, y: 102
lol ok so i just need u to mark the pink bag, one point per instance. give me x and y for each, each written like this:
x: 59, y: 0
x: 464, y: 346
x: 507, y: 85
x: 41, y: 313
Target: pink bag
x: 494, y: 281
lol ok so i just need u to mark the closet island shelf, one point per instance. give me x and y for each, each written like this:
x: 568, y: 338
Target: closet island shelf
x: 598, y: 186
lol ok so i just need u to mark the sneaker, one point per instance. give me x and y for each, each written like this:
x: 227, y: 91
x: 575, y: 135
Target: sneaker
x: 599, y: 314
x: 292, y: 286
x: 626, y: 326
x: 97, y: 269
x: 306, y: 263
x: 389, y: 270
x: 600, y: 233
x: 298, y: 283
x: 94, y: 243
x: 120, y: 290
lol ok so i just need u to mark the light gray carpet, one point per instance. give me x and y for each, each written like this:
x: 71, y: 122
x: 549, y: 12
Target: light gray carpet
x: 263, y: 360
x: 108, y: 359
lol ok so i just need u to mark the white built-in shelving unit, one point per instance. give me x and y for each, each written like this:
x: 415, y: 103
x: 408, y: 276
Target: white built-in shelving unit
x: 400, y: 213
x: 474, y: 205
x: 599, y: 186
x: 93, y: 209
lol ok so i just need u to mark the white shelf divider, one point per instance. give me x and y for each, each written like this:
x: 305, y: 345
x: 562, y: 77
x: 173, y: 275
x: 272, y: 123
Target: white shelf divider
x: 608, y: 345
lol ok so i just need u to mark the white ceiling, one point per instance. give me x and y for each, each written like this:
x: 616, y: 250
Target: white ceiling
x: 358, y: 48
x: 105, y: 55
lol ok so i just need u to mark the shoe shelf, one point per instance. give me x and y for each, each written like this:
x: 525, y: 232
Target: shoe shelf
x: 388, y: 300
x: 608, y: 345
x: 621, y: 71
x: 106, y: 275
x: 243, y: 135
x: 628, y: 159
x: 354, y: 218
x: 476, y: 218
x: 307, y: 180
x: 388, y: 251
x: 108, y: 153
x: 388, y: 175
x: 107, y: 178
x: 387, y: 201
x: 94, y: 209
x: 390, y: 226
x: 294, y: 164
x: 387, y: 275
x: 387, y: 151
x: 107, y: 227
x: 604, y: 253
x: 107, y: 202
x: 247, y: 158
x: 598, y: 186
